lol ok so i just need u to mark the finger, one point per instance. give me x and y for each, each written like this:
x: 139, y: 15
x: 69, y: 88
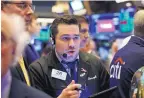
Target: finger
x: 74, y: 92
x: 75, y: 96
x: 74, y: 86
x: 72, y: 82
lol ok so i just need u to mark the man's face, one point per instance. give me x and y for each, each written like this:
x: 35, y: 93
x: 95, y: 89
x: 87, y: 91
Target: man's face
x: 20, y: 7
x: 6, y: 53
x: 68, y: 41
x: 34, y: 27
x: 84, y: 34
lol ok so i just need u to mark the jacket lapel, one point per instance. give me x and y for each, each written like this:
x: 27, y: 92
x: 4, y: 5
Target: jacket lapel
x: 55, y: 64
x: 83, y: 69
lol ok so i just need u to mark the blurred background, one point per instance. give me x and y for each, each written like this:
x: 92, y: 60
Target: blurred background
x: 109, y: 22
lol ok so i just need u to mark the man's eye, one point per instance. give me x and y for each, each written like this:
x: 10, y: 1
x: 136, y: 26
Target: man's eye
x: 83, y: 30
x: 65, y: 38
x: 22, y: 6
x: 76, y: 38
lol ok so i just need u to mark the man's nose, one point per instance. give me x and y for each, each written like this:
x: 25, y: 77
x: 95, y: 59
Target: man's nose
x: 30, y: 10
x: 86, y: 37
x: 71, y: 43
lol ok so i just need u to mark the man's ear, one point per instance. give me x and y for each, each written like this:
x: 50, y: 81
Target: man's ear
x: 2, y: 5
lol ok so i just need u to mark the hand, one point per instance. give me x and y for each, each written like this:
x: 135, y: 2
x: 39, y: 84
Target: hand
x: 70, y: 92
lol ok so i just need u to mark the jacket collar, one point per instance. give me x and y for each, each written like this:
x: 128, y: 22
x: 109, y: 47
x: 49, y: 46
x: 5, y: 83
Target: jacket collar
x: 83, y: 65
x: 54, y: 61
x: 137, y: 40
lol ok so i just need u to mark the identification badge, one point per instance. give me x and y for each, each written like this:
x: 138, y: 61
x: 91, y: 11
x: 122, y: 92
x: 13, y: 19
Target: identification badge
x: 58, y: 74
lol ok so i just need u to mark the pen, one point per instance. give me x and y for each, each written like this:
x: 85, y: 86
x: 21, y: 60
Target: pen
x: 75, y: 89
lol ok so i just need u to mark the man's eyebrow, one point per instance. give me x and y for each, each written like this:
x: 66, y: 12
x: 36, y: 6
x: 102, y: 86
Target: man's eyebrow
x: 76, y: 35
x: 65, y: 35
x: 70, y: 35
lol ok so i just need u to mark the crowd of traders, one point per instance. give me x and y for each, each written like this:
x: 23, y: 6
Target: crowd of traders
x: 70, y: 69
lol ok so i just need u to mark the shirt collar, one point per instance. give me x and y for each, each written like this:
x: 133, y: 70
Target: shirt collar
x: 6, y: 84
x: 60, y: 58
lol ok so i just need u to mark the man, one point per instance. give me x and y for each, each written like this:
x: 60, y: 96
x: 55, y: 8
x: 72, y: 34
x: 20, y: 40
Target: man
x: 30, y: 53
x: 84, y: 31
x: 128, y: 59
x: 10, y: 50
x: 52, y: 73
x: 23, y: 8
x: 86, y: 41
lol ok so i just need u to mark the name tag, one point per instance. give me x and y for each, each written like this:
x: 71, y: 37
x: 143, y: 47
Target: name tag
x: 58, y: 74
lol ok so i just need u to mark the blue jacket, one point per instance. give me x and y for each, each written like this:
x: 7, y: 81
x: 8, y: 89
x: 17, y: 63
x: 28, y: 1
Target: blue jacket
x: 124, y: 64
x: 21, y: 90
x: 30, y: 54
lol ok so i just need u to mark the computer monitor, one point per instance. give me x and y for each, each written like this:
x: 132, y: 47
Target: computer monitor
x: 127, y: 19
x: 105, y: 23
x: 76, y: 5
x: 44, y: 34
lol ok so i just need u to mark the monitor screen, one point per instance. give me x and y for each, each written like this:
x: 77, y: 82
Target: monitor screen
x: 127, y: 19
x: 44, y: 34
x: 105, y: 26
x: 105, y: 23
x: 76, y: 5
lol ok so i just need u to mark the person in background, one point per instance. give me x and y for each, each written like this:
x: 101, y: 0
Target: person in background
x: 90, y: 47
x: 25, y: 9
x: 34, y: 27
x: 30, y: 54
x: 84, y: 30
x: 86, y: 44
x: 12, y: 45
x: 128, y: 59
x: 66, y: 63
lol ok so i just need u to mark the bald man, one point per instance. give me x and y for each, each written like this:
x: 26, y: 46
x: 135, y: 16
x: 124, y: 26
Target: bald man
x: 128, y: 60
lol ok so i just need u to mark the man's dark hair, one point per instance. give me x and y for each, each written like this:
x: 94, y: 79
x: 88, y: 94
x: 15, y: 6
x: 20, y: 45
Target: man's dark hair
x: 2, y: 4
x: 81, y: 19
x: 139, y: 23
x: 66, y: 19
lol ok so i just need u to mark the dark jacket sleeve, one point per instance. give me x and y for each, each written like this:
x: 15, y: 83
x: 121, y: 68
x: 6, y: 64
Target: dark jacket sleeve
x: 39, y: 76
x: 103, y: 74
x: 104, y: 77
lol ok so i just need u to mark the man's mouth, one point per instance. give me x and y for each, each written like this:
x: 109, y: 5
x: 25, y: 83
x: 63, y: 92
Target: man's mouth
x: 70, y: 52
x: 28, y: 19
x: 85, y: 39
